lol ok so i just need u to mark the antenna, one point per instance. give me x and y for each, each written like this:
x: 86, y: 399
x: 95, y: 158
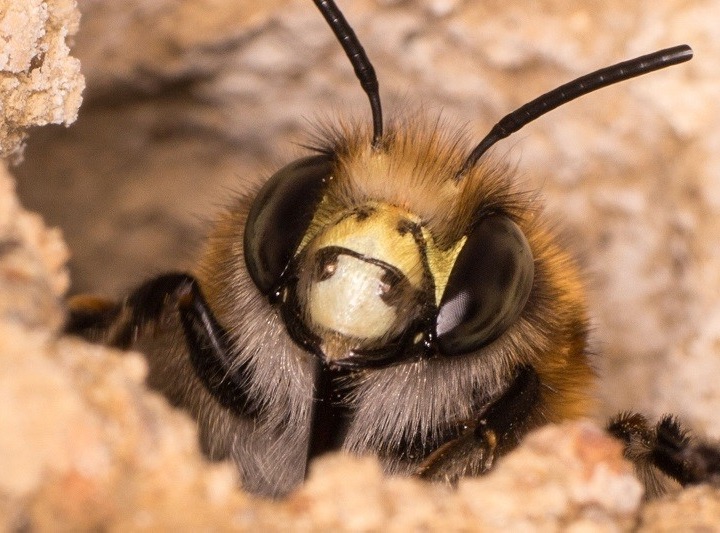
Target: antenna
x: 574, y: 89
x: 359, y: 59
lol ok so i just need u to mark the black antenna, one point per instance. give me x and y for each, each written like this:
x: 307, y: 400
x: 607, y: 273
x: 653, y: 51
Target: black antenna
x: 359, y: 59
x: 574, y: 89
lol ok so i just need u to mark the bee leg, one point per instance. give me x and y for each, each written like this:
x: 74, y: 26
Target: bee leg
x: 209, y: 353
x: 206, y: 339
x: 694, y: 461
x: 89, y: 316
x: 667, y: 447
x: 495, y: 432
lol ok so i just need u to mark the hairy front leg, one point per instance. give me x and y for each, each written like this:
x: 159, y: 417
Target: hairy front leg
x: 667, y: 448
x: 496, y: 431
x: 119, y: 324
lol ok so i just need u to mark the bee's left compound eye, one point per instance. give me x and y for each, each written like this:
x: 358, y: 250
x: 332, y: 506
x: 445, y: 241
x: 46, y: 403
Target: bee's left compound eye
x: 488, y: 287
x: 280, y: 216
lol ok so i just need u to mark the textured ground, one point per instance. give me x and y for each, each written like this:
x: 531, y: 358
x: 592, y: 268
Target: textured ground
x: 187, y: 99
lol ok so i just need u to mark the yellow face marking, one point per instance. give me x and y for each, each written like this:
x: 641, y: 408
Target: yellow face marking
x: 441, y: 262
x: 377, y: 236
x: 347, y: 295
x: 349, y: 302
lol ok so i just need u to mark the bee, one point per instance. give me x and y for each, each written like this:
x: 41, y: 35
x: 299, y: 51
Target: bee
x: 392, y: 293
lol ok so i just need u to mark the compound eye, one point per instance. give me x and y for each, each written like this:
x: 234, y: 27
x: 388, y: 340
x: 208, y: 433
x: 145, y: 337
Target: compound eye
x: 487, y: 288
x: 280, y: 216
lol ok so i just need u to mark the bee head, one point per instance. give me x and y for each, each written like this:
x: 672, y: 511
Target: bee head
x: 370, y: 274
x: 395, y: 245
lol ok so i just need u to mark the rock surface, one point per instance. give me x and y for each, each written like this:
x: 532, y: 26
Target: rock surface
x: 40, y: 82
x: 188, y: 99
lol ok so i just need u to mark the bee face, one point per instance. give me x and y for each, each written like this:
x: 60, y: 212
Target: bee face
x: 364, y: 277
x: 380, y: 272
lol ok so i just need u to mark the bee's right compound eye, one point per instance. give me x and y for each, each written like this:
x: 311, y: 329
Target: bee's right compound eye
x: 488, y: 287
x: 280, y: 216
